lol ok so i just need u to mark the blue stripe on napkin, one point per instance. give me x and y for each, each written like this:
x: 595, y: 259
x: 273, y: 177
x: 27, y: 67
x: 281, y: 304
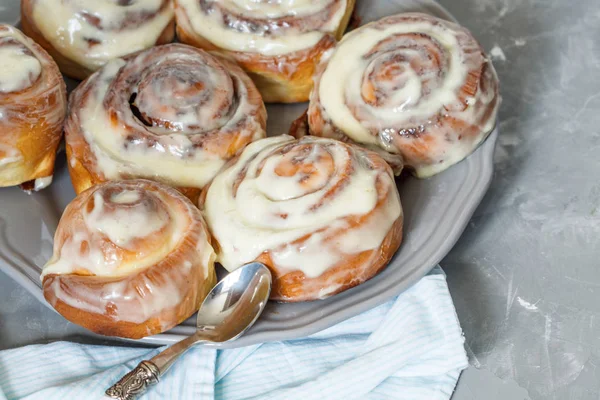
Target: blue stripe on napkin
x: 409, y: 348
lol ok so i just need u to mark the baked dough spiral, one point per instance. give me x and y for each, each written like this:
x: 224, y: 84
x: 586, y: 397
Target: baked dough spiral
x: 82, y: 35
x: 172, y: 113
x: 323, y: 215
x: 33, y: 104
x: 131, y: 259
x: 418, y: 89
x: 278, y: 43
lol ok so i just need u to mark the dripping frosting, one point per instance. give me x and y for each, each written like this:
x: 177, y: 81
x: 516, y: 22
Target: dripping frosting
x: 32, y: 110
x: 93, y: 32
x: 110, y: 227
x: 281, y: 192
x: 19, y: 68
x: 411, y: 85
x: 129, y: 250
x: 268, y: 28
x: 182, y: 115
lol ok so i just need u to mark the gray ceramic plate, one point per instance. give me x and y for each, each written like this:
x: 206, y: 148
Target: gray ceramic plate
x: 436, y: 212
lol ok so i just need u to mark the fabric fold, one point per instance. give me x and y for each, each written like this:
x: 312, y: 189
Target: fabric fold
x: 408, y: 348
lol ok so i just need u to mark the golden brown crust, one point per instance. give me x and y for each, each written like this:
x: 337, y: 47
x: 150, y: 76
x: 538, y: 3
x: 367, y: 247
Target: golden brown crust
x: 280, y: 79
x: 105, y: 324
x: 31, y: 119
x: 71, y: 68
x: 350, y: 272
x: 81, y: 178
x: 132, y: 305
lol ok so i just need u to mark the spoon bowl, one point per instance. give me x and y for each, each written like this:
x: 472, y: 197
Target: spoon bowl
x: 229, y: 310
x: 234, y: 304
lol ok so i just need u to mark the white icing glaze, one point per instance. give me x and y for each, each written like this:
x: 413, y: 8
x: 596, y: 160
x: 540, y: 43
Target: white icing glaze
x: 9, y: 155
x: 164, y: 296
x: 173, y: 157
x: 42, y: 183
x: 126, y: 197
x: 32, y: 94
x: 121, y: 227
x: 69, y: 25
x: 250, y: 223
x: 344, y: 74
x: 275, y: 9
x: 411, y: 85
x: 18, y: 70
x: 97, y: 221
x: 327, y: 291
x: 279, y: 41
x: 126, y: 224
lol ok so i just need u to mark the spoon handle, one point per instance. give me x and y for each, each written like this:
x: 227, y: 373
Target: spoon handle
x: 148, y: 372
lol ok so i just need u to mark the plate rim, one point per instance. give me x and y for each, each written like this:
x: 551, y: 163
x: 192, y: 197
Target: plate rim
x: 335, y: 317
x: 265, y: 333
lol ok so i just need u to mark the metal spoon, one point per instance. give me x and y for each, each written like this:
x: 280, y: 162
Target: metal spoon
x: 230, y: 308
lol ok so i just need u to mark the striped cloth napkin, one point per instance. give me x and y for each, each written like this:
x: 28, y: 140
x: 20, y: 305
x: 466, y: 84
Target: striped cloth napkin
x: 409, y: 348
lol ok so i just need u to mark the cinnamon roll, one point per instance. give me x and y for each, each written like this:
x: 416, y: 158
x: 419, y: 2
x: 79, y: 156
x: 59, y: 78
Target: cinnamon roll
x: 33, y: 104
x: 82, y: 35
x: 278, y: 43
x: 415, y: 88
x: 172, y: 113
x: 131, y: 259
x: 323, y: 215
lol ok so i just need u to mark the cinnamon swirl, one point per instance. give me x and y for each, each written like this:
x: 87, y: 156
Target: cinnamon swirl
x: 131, y: 259
x: 323, y: 215
x: 172, y: 113
x: 82, y: 35
x: 416, y: 88
x: 33, y: 103
x: 278, y: 43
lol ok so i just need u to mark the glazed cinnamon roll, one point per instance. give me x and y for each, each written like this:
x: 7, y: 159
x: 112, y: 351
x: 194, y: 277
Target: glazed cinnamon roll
x: 417, y: 89
x: 82, y: 35
x: 278, y: 43
x: 33, y: 104
x: 172, y: 113
x: 323, y: 215
x: 131, y: 259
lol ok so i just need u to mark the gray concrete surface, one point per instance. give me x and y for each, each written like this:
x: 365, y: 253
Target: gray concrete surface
x: 525, y: 276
